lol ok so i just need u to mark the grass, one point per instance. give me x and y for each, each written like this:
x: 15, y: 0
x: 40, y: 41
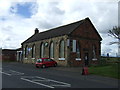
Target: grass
x: 108, y: 70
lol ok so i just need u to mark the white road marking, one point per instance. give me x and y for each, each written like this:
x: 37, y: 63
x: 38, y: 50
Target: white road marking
x: 37, y: 83
x: 18, y: 73
x: 11, y: 72
x: 67, y: 84
x: 59, y: 85
x: 5, y: 73
x: 41, y: 80
x: 29, y: 76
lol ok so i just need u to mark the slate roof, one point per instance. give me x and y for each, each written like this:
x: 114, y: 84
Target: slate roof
x: 55, y: 32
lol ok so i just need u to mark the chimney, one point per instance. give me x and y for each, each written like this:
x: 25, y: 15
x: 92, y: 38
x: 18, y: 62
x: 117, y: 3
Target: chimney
x: 36, y: 30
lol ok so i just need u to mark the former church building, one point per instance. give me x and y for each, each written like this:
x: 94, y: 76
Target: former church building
x: 75, y: 44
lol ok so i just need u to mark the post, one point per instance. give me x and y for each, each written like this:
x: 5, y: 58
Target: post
x: 119, y: 46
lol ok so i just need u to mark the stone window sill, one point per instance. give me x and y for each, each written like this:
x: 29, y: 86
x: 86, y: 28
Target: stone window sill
x: 78, y: 59
x: 62, y: 59
x: 94, y: 59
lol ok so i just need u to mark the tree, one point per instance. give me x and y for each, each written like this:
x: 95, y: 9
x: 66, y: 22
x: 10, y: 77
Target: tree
x: 115, y: 32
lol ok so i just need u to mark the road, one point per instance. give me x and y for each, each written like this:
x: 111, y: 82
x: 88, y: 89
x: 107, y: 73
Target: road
x: 18, y: 75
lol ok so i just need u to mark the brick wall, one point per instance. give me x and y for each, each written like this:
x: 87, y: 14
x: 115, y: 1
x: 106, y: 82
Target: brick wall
x: 87, y: 36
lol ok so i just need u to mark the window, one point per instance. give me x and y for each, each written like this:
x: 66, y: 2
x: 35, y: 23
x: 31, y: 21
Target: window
x: 51, y: 50
x: 94, y: 51
x: 78, y: 50
x: 42, y: 50
x: 33, y: 51
x: 26, y: 51
x: 74, y: 45
x: 62, y: 49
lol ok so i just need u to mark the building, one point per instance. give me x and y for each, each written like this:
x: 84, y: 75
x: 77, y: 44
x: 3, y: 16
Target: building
x: 9, y: 54
x: 19, y: 54
x: 75, y: 44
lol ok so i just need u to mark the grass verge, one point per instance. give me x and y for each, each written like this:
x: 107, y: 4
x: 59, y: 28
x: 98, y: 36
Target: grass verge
x: 109, y: 70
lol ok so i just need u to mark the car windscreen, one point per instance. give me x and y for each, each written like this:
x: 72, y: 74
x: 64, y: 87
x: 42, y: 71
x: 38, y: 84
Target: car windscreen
x: 39, y: 60
x: 48, y: 60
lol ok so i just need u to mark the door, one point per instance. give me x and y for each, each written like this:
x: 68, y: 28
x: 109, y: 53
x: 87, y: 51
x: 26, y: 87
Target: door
x: 86, y: 59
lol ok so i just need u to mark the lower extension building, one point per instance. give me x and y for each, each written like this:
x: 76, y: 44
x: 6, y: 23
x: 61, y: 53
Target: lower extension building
x: 75, y: 44
x: 8, y: 54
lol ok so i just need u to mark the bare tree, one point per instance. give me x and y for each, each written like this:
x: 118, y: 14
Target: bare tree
x: 115, y: 32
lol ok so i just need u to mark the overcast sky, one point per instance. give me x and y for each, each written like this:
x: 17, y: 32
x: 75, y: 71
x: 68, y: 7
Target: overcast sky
x: 18, y: 19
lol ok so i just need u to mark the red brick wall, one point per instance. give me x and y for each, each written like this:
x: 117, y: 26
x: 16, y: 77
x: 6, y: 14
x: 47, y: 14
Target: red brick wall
x: 87, y: 37
x: 9, y: 55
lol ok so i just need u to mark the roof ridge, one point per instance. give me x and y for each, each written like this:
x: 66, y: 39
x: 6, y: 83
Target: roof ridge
x: 64, y: 25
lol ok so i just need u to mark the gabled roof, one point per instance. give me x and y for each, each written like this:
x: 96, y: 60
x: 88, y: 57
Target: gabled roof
x: 55, y: 32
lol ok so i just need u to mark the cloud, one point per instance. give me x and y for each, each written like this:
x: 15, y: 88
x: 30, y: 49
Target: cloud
x: 47, y: 14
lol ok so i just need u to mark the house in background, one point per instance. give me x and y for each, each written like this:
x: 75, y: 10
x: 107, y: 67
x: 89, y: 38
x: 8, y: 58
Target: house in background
x: 9, y: 54
x: 75, y: 44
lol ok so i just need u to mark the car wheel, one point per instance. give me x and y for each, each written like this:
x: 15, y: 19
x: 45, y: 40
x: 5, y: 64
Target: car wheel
x: 43, y: 66
x: 55, y: 64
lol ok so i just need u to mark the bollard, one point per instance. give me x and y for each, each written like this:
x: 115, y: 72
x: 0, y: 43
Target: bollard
x: 85, y: 71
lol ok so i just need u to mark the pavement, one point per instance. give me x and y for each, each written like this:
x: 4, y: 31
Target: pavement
x: 69, y: 69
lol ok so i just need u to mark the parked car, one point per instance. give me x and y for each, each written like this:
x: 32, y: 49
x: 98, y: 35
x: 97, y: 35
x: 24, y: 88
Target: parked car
x: 45, y: 62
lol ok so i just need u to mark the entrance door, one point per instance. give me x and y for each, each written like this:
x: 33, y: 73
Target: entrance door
x: 86, y: 59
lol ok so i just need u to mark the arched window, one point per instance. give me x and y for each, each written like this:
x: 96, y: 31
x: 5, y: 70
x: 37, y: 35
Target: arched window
x: 78, y: 49
x: 42, y: 50
x: 26, y: 51
x: 33, y: 51
x: 94, y: 51
x: 51, y: 50
x: 62, y: 49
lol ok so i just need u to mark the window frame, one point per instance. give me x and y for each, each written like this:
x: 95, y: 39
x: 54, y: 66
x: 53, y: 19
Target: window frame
x: 42, y: 50
x: 26, y: 51
x: 51, y: 48
x: 62, y: 49
x: 33, y: 51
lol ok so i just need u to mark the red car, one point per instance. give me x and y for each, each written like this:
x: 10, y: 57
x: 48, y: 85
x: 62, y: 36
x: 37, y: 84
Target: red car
x: 45, y: 62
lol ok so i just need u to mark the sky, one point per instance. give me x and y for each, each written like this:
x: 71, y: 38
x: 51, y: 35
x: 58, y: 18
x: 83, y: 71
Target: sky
x: 19, y: 18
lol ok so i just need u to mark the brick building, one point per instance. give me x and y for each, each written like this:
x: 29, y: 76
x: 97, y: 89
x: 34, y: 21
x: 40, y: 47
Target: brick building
x: 19, y: 54
x: 75, y: 44
x: 9, y: 54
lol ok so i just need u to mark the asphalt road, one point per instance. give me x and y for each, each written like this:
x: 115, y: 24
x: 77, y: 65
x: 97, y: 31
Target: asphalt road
x: 18, y: 75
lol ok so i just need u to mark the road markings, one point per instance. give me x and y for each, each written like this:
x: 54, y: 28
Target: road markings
x: 37, y: 83
x: 59, y: 82
x: 11, y: 72
x: 59, y: 85
x: 16, y: 73
x: 5, y: 73
x: 45, y: 82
